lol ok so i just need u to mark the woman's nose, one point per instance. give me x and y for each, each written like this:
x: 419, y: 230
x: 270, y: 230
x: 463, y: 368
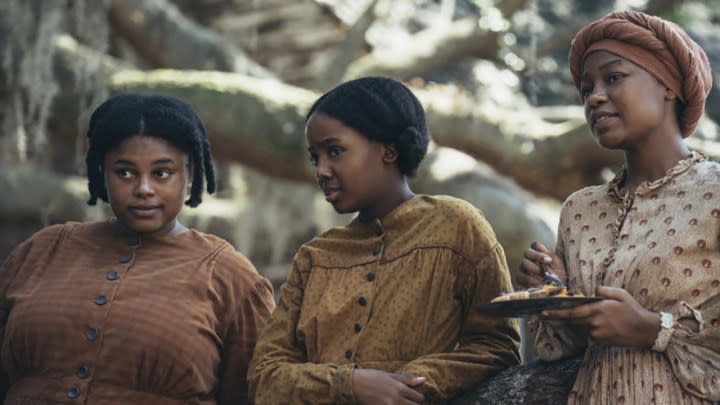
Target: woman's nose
x: 144, y: 187
x: 596, y: 97
x: 322, y: 171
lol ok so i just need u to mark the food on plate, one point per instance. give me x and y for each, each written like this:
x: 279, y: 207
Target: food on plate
x: 547, y: 290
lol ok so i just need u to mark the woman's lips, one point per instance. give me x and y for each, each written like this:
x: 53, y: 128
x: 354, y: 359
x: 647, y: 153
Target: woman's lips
x: 331, y: 195
x: 144, y: 211
x: 604, y: 122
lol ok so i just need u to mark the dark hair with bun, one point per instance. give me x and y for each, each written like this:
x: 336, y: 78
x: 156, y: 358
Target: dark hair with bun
x: 384, y: 110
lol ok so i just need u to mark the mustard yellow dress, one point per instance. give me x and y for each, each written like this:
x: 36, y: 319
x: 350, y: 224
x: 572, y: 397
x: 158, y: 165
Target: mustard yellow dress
x: 396, y: 294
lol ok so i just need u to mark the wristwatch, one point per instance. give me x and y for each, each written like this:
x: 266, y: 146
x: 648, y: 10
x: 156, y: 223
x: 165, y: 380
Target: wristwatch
x: 667, y: 324
x: 666, y: 320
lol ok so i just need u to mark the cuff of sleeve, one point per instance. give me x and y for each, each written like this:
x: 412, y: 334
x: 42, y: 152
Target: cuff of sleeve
x: 341, y: 386
x: 665, y: 334
x: 686, y: 311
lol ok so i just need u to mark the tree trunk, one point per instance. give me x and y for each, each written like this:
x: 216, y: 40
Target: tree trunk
x: 538, y: 383
x: 166, y: 39
x: 434, y: 48
x: 347, y: 51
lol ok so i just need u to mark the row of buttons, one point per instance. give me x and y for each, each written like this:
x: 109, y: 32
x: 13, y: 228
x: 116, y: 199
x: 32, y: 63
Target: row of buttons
x: 362, y: 301
x: 92, y: 334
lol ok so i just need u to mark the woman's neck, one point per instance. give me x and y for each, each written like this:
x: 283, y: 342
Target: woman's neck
x: 391, y: 201
x: 171, y: 229
x: 648, y: 164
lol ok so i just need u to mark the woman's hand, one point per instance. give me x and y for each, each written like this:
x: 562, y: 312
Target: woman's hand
x: 530, y: 274
x: 372, y: 387
x: 618, y: 320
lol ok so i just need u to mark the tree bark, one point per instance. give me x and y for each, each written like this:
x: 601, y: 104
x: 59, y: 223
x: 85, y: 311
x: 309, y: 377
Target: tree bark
x: 346, y: 51
x: 538, y: 383
x: 435, y: 48
x: 561, y: 40
x: 166, y: 39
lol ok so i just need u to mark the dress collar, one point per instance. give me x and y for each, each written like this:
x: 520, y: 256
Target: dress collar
x: 617, y: 193
x: 397, y: 218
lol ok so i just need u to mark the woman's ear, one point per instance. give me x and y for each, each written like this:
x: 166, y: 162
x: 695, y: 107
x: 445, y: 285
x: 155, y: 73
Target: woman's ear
x: 670, y: 95
x: 390, y: 154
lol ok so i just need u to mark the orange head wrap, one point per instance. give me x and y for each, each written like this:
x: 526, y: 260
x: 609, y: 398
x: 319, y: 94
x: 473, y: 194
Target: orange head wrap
x: 660, y: 47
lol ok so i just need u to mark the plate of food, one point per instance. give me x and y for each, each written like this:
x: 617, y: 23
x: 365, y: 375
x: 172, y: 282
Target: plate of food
x: 534, y: 301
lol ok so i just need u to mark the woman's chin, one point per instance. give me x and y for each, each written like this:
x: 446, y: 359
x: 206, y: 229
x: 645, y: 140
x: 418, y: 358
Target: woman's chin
x: 341, y: 208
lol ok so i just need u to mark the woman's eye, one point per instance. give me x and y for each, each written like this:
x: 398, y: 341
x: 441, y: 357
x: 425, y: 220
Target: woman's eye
x: 123, y: 173
x: 585, y: 92
x: 314, y: 159
x: 614, y: 76
x: 335, y: 151
x: 162, y: 174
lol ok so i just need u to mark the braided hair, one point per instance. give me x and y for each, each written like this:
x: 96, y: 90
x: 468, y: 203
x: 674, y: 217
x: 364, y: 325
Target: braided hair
x: 383, y: 110
x: 125, y: 115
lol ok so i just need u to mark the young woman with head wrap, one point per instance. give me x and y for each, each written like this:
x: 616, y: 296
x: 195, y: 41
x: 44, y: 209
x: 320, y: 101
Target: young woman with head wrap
x: 648, y: 240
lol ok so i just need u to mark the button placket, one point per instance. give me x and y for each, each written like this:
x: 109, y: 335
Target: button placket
x: 380, y: 233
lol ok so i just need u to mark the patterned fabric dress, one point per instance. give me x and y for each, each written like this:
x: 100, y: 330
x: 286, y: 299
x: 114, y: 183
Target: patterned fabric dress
x: 661, y: 245
x: 395, y: 294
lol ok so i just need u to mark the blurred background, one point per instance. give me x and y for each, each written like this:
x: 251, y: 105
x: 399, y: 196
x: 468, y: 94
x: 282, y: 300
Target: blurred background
x: 508, y: 131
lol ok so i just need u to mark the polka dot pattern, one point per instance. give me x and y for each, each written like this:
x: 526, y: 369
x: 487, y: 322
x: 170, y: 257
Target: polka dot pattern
x: 661, y: 246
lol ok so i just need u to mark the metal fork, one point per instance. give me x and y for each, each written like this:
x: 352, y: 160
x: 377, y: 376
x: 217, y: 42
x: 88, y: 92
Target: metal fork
x: 549, y: 278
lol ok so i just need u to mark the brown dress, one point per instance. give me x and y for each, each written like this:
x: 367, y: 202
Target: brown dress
x: 93, y: 315
x: 396, y: 294
x: 661, y: 245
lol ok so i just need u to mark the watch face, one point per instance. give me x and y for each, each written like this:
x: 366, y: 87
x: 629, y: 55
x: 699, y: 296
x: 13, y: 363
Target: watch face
x: 666, y: 320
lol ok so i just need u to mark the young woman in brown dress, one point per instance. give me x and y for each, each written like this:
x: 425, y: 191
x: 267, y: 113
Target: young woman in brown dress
x: 137, y: 308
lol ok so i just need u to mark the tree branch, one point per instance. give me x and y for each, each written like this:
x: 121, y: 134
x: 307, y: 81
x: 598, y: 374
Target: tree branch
x: 435, y: 48
x: 166, y: 39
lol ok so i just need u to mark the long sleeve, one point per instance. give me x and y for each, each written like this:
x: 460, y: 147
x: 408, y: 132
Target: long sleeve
x: 28, y: 254
x: 280, y: 372
x: 246, y: 324
x: 486, y: 345
x: 695, y: 356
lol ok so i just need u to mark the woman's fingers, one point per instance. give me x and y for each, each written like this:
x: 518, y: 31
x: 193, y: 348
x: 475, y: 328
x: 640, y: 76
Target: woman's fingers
x: 538, y: 256
x: 412, y: 395
x: 409, y: 381
x: 529, y: 274
x: 539, y: 247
